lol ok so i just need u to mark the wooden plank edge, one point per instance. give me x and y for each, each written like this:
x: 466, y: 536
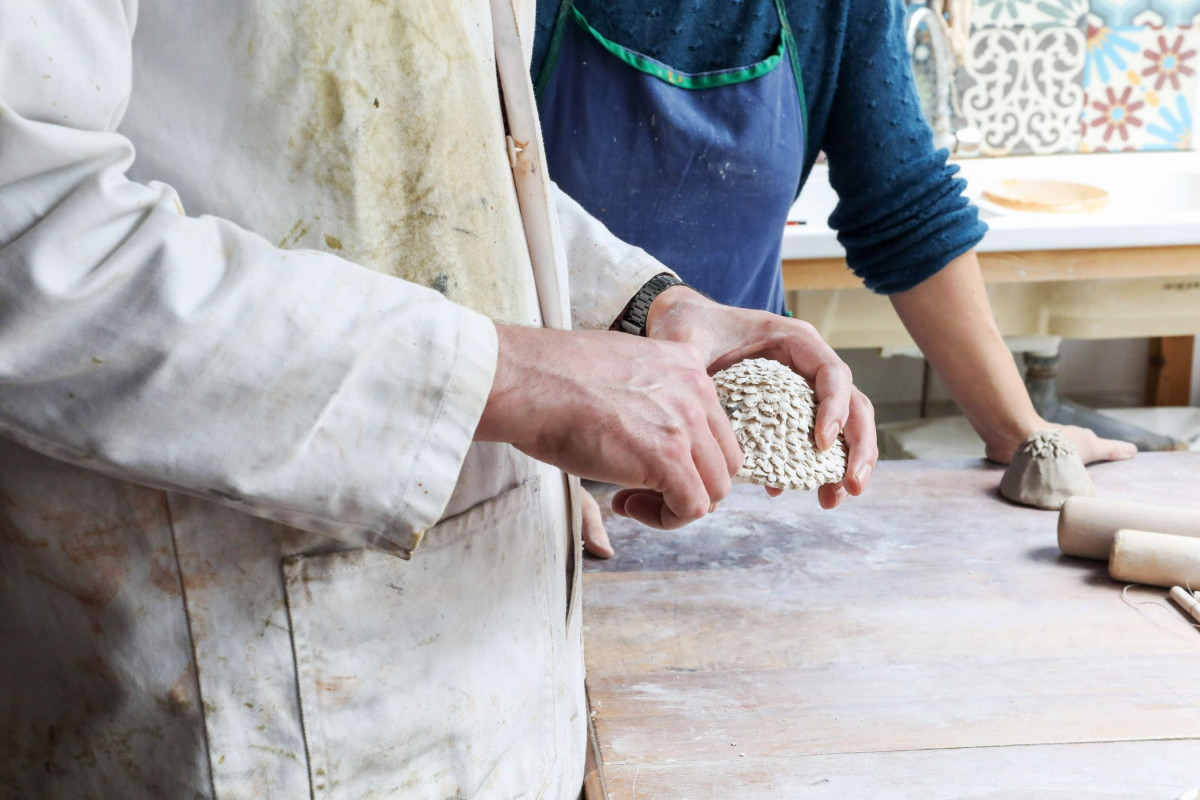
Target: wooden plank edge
x: 593, y: 768
x: 1023, y: 267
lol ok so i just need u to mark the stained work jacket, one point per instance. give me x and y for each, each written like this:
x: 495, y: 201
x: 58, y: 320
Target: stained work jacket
x: 247, y: 547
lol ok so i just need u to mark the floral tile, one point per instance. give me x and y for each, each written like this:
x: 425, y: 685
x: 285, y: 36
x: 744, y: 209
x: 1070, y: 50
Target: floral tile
x: 1140, y: 88
x: 1172, y: 126
x: 1110, y: 51
x: 1009, y: 13
x: 1123, y: 13
x: 1117, y: 13
x: 1022, y: 87
x: 1177, y: 12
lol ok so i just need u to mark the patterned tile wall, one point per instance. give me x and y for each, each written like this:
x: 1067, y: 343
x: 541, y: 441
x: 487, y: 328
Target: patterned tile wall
x: 1053, y: 76
x: 1140, y: 86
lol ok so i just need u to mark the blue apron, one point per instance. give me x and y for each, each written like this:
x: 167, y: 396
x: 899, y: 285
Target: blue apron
x: 697, y: 169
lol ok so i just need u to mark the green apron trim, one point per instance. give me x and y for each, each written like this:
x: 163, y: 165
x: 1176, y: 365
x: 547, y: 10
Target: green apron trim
x: 556, y: 36
x: 657, y: 69
x: 705, y: 80
x: 790, y: 41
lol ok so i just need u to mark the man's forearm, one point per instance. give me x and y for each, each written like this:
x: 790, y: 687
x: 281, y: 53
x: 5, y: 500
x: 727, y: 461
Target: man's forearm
x: 950, y: 319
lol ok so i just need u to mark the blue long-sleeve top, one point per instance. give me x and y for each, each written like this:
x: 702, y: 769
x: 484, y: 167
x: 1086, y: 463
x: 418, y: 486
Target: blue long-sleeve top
x: 901, y: 215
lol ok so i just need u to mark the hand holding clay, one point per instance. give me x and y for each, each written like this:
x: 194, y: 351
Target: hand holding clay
x: 1046, y: 470
x: 616, y: 408
x: 772, y: 410
x: 726, y: 335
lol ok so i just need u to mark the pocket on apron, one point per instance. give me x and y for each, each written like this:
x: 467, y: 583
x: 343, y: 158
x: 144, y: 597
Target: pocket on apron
x: 431, y: 677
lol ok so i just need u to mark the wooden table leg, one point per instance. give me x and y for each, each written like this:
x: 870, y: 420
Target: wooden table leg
x: 1169, y: 378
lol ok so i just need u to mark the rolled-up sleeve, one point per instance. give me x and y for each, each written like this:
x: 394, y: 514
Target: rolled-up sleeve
x: 190, y: 354
x: 605, y: 272
x: 901, y: 214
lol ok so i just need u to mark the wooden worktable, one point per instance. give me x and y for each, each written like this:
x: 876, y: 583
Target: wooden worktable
x: 925, y: 641
x: 1175, y: 270
x: 1180, y: 262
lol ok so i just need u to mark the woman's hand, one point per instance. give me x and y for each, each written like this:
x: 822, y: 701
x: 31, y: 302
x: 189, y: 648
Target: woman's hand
x: 1091, y: 447
x: 949, y: 317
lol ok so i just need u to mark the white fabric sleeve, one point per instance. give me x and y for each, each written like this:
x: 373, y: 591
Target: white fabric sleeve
x: 190, y: 354
x: 605, y: 272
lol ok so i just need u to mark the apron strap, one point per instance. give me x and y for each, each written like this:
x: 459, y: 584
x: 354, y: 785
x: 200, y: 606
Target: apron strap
x: 560, y: 23
x: 789, y: 43
x: 569, y: 14
x: 534, y: 194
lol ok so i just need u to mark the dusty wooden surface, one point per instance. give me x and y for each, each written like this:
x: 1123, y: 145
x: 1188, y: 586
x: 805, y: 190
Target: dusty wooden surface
x: 925, y: 641
x: 1024, y: 267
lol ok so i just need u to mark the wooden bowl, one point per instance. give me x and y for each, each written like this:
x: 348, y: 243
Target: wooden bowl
x: 1057, y: 197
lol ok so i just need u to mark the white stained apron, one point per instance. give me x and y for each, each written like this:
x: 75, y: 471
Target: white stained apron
x: 166, y: 646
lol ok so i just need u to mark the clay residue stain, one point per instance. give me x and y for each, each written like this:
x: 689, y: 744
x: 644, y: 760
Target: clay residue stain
x: 11, y: 534
x: 165, y: 576
x: 338, y: 690
x: 179, y: 699
x: 296, y: 233
x: 199, y: 578
x: 92, y: 596
x: 278, y: 751
x: 105, y: 552
x: 390, y: 117
x: 93, y: 664
x: 330, y: 108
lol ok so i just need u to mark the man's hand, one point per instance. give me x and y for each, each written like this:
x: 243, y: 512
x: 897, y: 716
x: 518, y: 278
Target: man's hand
x: 725, y: 335
x: 595, y: 537
x: 620, y: 409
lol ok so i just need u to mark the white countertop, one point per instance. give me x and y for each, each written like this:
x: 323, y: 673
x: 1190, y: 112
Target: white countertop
x: 1154, y: 201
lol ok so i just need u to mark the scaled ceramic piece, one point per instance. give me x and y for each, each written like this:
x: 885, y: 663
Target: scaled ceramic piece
x: 771, y: 409
x: 1045, y: 471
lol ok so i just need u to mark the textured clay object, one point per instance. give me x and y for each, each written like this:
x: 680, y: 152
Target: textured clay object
x: 771, y: 409
x: 1045, y: 471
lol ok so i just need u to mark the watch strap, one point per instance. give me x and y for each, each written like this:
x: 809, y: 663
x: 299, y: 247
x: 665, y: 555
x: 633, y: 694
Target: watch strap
x: 634, y: 319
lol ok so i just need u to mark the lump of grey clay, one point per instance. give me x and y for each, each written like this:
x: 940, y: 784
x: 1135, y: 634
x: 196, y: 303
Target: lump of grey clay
x: 1045, y: 471
x: 772, y: 410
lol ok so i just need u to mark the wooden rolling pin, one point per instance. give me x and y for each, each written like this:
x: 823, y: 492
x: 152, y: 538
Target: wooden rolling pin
x: 1155, y: 559
x: 1086, y: 525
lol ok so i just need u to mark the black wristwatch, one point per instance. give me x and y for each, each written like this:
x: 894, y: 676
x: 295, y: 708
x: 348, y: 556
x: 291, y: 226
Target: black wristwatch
x: 634, y: 319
